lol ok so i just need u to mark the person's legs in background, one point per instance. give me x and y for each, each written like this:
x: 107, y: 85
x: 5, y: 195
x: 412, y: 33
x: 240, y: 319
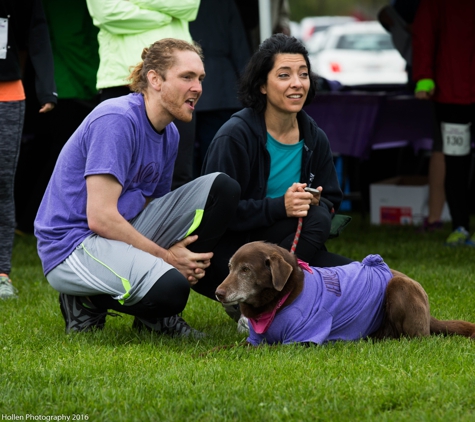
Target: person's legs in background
x: 436, y: 190
x: 457, y: 190
x: 458, y: 162
x: 11, y: 124
x: 436, y: 175
x: 44, y: 136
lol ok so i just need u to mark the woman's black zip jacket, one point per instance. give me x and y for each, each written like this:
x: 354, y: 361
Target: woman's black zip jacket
x: 239, y: 150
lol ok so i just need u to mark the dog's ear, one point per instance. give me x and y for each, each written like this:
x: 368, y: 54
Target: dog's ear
x: 280, y: 270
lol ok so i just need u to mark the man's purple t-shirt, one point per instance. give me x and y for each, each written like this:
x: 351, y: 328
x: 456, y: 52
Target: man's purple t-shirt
x: 116, y: 138
x: 338, y: 303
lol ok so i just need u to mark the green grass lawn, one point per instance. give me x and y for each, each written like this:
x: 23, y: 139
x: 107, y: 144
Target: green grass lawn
x: 120, y: 375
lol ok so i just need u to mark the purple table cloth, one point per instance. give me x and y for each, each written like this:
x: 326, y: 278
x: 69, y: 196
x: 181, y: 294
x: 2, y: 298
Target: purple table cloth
x: 356, y: 122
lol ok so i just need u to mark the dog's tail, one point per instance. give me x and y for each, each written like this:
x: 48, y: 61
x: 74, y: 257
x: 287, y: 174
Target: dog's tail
x: 461, y: 328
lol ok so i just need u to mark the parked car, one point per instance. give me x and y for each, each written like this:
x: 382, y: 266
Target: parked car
x: 313, y: 24
x: 358, y: 53
x: 295, y: 30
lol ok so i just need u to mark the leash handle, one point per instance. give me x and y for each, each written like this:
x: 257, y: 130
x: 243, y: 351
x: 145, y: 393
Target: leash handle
x: 297, y: 235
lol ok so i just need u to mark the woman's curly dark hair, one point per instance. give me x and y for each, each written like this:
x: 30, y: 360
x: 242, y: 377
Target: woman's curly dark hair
x: 262, y: 62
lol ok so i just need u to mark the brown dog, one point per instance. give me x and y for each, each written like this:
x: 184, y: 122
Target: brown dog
x: 358, y: 300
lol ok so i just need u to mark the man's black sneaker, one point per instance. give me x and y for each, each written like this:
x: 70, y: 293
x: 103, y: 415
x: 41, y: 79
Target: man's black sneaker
x: 174, y: 326
x: 80, y: 317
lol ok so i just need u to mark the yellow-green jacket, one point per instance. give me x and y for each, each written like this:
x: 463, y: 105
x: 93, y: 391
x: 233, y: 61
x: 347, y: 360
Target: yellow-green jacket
x: 127, y: 27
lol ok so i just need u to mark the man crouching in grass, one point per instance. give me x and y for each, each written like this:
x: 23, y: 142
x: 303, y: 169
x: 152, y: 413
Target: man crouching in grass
x: 111, y: 235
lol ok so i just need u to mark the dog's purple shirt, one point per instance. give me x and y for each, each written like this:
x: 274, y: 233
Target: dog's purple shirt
x: 338, y: 303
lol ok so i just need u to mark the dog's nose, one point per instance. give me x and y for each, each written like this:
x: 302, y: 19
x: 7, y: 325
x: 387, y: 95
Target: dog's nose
x: 220, y: 294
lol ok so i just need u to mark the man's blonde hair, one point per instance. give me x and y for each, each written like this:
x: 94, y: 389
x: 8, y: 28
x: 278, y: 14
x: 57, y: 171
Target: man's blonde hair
x: 159, y: 57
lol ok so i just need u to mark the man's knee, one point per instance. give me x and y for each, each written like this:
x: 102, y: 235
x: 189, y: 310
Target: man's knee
x: 223, y: 184
x: 168, y: 296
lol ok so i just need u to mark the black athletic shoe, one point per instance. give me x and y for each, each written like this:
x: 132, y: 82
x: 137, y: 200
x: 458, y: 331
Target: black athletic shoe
x: 233, y: 311
x: 174, y: 326
x: 79, y: 317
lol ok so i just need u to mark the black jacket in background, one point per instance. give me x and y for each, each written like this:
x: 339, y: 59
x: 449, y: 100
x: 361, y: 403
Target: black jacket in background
x: 220, y: 32
x: 28, y: 33
x: 239, y: 150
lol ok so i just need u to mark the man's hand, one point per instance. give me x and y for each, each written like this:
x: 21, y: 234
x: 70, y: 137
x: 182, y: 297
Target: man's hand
x: 46, y: 107
x: 190, y: 264
x: 425, y: 89
x: 104, y: 219
x: 423, y: 95
x: 297, y: 201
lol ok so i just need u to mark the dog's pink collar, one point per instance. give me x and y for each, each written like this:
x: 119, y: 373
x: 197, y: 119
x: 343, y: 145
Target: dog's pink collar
x: 304, y: 266
x: 262, y: 323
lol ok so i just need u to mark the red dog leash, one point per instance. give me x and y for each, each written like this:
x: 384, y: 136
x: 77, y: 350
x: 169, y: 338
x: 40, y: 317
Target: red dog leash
x: 299, y: 227
x: 297, y: 236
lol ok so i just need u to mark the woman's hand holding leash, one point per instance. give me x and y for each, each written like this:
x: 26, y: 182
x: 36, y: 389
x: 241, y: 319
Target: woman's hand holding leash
x: 297, y: 201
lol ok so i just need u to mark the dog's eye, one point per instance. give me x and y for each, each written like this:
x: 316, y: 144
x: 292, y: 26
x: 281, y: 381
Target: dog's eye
x: 245, y: 269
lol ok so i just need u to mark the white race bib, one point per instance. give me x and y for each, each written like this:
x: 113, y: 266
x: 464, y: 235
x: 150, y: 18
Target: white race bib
x: 3, y: 37
x: 456, y: 138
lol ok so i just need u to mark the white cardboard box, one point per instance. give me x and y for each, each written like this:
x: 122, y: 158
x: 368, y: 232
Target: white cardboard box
x: 401, y: 200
